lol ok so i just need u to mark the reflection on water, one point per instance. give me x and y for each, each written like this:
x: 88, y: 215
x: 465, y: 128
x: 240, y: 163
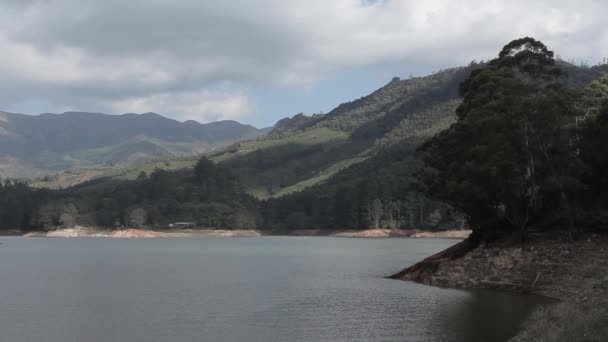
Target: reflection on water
x: 485, y: 315
x: 250, y: 289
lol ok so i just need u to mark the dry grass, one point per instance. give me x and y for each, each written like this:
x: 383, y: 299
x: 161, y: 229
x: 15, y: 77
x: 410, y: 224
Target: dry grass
x: 568, y: 321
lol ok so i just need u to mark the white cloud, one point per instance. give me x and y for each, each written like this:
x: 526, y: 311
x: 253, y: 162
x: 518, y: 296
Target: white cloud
x: 173, y: 54
x: 202, y: 106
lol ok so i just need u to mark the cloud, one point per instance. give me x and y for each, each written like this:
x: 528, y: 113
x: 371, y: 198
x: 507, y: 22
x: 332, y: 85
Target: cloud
x: 170, y: 56
x: 202, y: 106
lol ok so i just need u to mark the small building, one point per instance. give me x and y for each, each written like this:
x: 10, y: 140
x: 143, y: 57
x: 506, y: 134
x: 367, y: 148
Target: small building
x: 182, y: 225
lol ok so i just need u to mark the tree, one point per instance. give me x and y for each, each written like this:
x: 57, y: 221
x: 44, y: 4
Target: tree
x: 204, y: 169
x: 506, y: 158
x: 244, y: 219
x: 344, y: 210
x: 393, y: 214
x: 67, y: 220
x: 142, y: 176
x: 434, y: 218
x: 137, y: 217
x: 48, y: 216
x: 375, y: 212
x: 592, y: 99
x: 68, y: 215
x: 530, y: 57
x: 594, y: 142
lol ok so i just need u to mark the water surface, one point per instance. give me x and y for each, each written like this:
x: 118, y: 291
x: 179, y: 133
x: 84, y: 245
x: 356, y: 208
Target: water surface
x: 237, y: 289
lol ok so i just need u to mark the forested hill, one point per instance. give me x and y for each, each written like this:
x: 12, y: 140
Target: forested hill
x: 355, y: 166
x: 307, y: 150
x: 41, y: 144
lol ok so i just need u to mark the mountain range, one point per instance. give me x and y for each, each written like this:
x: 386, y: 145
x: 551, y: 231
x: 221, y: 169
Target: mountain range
x: 37, y: 145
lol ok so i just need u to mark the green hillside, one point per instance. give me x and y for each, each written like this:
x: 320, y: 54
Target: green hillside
x: 305, y: 151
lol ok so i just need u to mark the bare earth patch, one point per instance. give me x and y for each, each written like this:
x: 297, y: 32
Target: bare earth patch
x: 143, y: 233
x: 385, y: 233
x: 448, y: 234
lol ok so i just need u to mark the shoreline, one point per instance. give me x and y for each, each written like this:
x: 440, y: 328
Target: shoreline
x: 409, y: 233
x: 141, y: 233
x: 574, y: 273
x: 185, y: 233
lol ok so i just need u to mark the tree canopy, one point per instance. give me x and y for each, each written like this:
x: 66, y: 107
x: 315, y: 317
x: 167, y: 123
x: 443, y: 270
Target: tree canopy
x: 510, y: 160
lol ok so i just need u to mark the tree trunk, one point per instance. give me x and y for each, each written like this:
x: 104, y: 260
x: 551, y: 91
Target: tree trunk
x: 428, y: 266
x: 570, y: 213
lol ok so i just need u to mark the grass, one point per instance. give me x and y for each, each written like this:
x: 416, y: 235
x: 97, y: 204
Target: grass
x: 315, y: 136
x: 162, y: 164
x: 76, y: 176
x: 257, y: 191
x: 173, y: 148
x: 568, y: 321
x: 86, y: 163
x: 309, y: 137
x: 320, y: 178
x: 66, y: 179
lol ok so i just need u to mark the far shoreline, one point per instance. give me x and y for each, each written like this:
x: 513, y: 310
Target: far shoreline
x: 186, y: 233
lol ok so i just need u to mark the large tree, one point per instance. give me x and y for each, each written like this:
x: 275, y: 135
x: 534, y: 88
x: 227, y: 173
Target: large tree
x: 593, y: 147
x: 509, y: 156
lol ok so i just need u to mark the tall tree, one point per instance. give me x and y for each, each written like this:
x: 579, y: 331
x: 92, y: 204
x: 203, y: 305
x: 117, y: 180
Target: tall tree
x: 137, y: 217
x: 375, y: 212
x: 502, y: 162
x: 594, y: 142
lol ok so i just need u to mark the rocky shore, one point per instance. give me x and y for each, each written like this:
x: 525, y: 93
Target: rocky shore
x: 575, y: 273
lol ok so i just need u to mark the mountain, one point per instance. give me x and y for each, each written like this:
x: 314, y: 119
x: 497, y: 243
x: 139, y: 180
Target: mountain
x: 33, y: 146
x: 332, y: 171
x: 306, y: 150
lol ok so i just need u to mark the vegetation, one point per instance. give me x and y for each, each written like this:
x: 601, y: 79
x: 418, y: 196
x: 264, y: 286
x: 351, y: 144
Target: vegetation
x: 376, y: 192
x: 207, y: 194
x: 306, y: 151
x: 18, y: 203
x: 594, y: 140
x: 322, y: 176
x: 69, y: 178
x: 584, y: 323
x: 514, y: 158
x: 269, y: 164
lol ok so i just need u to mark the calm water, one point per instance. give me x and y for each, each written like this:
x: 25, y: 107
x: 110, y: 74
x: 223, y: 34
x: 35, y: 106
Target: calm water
x: 237, y: 289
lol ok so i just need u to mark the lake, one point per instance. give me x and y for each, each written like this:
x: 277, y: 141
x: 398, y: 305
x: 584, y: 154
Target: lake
x: 238, y: 289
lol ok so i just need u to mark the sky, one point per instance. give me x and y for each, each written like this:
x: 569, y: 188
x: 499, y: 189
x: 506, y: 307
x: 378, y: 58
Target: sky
x: 259, y: 61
